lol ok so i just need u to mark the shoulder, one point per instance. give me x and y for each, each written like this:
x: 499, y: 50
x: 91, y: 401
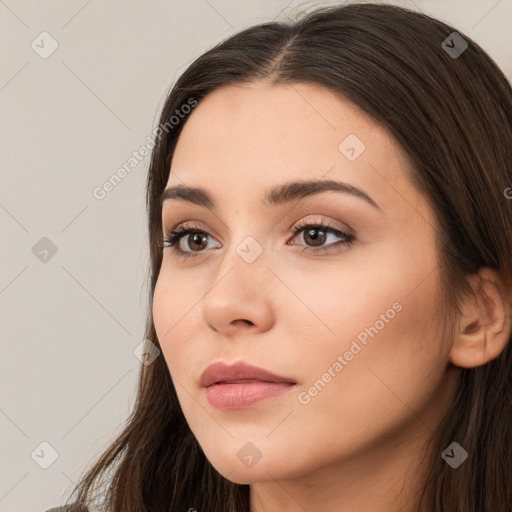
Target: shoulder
x: 64, y: 508
x: 71, y: 508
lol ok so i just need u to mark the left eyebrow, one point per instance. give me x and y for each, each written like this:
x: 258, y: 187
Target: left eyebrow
x: 277, y: 195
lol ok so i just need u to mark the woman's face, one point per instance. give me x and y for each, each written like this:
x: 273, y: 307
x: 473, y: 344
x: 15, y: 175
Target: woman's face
x: 356, y: 326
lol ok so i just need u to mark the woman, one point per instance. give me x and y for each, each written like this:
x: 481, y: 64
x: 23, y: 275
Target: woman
x: 368, y: 369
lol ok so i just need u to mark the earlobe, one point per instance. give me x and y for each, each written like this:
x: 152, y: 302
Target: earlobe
x: 485, y: 325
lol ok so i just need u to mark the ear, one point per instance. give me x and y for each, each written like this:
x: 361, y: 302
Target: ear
x: 485, y: 324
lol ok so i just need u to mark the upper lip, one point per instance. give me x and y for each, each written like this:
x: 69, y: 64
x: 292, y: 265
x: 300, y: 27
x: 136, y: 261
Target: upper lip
x: 223, y: 372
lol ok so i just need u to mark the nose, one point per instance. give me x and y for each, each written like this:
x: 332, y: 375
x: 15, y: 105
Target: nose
x: 240, y: 297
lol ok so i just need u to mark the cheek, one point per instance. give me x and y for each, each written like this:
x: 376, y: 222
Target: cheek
x: 333, y: 306
x: 369, y: 293
x: 175, y: 323
x: 175, y: 294
x: 380, y: 312
x: 391, y: 358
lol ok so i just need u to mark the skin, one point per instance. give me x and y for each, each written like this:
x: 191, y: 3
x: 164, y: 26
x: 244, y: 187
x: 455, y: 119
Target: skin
x: 359, y: 443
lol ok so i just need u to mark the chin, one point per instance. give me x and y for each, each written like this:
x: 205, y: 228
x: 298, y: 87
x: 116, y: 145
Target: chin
x: 234, y: 470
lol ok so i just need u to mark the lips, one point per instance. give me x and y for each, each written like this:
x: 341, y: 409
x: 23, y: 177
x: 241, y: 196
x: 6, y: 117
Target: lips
x: 238, y: 373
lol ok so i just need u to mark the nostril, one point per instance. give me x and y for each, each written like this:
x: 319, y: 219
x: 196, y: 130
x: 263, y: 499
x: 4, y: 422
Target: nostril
x: 248, y: 322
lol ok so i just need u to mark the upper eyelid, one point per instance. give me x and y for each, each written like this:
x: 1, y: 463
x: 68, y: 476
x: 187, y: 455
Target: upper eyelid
x: 334, y: 224
x: 298, y: 227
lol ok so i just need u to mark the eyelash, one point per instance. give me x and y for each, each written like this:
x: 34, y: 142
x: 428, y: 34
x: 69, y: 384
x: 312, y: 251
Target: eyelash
x: 173, y: 237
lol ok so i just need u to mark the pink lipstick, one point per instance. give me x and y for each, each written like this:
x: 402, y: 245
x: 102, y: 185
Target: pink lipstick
x: 241, y: 385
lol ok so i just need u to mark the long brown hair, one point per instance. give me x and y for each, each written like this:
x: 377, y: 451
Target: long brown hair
x: 452, y: 114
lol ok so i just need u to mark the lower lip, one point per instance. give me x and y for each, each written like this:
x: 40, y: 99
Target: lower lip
x: 244, y: 394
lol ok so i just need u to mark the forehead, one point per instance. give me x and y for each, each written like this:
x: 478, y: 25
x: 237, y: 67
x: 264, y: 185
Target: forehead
x: 301, y: 116
x: 243, y: 138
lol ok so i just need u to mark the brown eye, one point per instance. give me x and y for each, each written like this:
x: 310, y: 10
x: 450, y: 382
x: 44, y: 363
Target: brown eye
x: 196, y: 238
x: 316, y: 234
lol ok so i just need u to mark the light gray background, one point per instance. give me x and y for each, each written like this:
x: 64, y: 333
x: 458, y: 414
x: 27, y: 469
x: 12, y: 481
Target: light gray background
x: 69, y: 325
